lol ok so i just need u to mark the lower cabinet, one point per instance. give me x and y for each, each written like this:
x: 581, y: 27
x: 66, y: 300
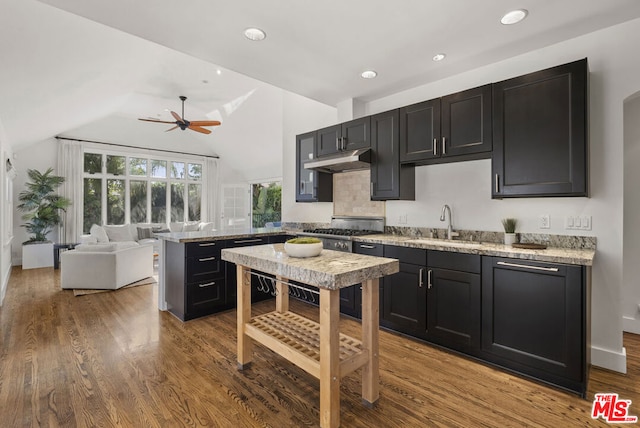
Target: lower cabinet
x: 453, y: 300
x: 195, y: 281
x: 351, y: 297
x: 535, y: 319
x: 404, y: 305
x: 257, y: 294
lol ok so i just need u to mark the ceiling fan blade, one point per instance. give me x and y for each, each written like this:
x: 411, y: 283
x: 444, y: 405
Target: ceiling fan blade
x: 154, y: 120
x: 199, y: 129
x: 171, y: 129
x: 205, y: 123
x: 177, y: 116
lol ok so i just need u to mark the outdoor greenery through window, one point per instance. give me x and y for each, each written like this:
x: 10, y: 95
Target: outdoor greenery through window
x: 134, y: 189
x: 266, y: 204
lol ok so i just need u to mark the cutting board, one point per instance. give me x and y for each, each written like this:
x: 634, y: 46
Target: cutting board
x: 530, y: 246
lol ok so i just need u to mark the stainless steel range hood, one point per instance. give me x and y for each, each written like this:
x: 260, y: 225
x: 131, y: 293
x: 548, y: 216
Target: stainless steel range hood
x: 351, y: 160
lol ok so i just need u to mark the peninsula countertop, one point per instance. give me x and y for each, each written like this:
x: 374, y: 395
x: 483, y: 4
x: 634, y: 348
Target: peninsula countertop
x: 331, y: 269
x: 182, y: 237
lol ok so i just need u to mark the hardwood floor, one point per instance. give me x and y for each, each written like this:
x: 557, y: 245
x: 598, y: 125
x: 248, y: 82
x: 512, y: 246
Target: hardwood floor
x: 113, y: 359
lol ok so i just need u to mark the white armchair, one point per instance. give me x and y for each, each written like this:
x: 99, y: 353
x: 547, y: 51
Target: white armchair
x: 105, y: 266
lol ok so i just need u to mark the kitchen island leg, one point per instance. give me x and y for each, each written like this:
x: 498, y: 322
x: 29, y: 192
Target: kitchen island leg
x: 370, y: 326
x: 245, y: 345
x: 329, y: 358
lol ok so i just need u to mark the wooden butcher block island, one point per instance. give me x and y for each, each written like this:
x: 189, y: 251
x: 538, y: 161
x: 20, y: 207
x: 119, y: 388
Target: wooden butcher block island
x: 318, y: 348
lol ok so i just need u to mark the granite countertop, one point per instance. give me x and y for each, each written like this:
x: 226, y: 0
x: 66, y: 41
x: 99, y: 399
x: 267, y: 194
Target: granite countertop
x: 573, y: 256
x: 331, y: 269
x: 217, y: 235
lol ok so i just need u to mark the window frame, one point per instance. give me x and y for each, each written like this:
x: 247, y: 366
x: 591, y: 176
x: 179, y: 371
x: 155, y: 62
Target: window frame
x: 148, y: 178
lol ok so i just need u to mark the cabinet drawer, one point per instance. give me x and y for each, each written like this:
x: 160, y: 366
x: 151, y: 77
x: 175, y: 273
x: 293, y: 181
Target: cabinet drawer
x: 206, y: 295
x: 413, y: 256
x: 454, y: 261
x: 203, y: 249
x: 203, y: 268
x: 368, y: 249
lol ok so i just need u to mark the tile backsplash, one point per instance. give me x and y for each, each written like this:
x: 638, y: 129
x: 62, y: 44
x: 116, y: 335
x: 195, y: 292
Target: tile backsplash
x: 351, y: 195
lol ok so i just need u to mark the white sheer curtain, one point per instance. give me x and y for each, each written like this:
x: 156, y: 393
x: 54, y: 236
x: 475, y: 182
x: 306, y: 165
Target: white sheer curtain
x: 212, y: 186
x: 70, y: 166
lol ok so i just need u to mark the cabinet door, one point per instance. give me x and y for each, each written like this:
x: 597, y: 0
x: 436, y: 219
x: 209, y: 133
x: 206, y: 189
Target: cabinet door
x: 454, y: 309
x: 311, y: 186
x: 540, y: 133
x: 356, y: 134
x: 533, y: 318
x: 420, y: 131
x: 370, y: 250
x: 389, y: 180
x: 466, y: 122
x: 231, y: 274
x: 328, y: 140
x: 405, y: 301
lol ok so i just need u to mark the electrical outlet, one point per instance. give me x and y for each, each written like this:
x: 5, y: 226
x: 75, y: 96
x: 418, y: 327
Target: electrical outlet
x: 544, y: 221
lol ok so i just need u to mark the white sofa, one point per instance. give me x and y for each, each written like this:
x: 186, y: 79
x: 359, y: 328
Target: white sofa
x: 105, y: 266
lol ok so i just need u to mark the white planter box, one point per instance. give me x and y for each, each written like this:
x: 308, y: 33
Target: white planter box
x: 37, y: 255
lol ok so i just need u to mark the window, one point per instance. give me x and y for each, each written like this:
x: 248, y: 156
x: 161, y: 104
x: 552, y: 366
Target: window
x: 120, y: 189
x: 266, y: 204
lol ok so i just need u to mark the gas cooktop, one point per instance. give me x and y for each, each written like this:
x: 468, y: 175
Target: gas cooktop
x: 341, y: 232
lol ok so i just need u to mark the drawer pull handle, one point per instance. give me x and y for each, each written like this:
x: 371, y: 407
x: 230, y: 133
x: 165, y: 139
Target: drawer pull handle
x: 206, y: 259
x: 208, y: 284
x: 367, y: 246
x: 208, y: 244
x: 546, y: 269
x: 246, y: 241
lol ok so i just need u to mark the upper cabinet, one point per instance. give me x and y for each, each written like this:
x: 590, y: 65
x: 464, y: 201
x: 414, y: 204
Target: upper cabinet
x: 540, y: 133
x: 389, y: 179
x: 312, y: 186
x: 351, y: 135
x: 453, y: 128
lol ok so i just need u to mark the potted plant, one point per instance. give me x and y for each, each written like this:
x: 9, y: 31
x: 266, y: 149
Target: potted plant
x: 42, y: 207
x: 510, y: 225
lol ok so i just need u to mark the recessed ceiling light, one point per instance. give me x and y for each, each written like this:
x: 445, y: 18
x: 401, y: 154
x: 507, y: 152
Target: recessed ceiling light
x: 514, y: 16
x: 368, y: 74
x: 218, y: 72
x: 439, y: 57
x: 255, y: 34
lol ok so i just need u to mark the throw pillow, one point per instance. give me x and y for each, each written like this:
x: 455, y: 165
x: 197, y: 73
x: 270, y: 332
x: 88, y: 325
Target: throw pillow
x: 190, y: 227
x: 119, y: 233
x: 161, y: 230
x: 99, y: 233
x: 145, y: 233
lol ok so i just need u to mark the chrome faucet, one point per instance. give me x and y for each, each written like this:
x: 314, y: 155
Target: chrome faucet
x: 450, y: 232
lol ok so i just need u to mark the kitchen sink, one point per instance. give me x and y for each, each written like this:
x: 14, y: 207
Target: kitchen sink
x: 445, y: 242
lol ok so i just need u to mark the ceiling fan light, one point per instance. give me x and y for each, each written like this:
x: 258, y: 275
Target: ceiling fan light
x: 514, y: 16
x: 255, y: 34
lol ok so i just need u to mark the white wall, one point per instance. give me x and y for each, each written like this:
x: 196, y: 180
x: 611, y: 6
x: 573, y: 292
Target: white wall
x: 301, y: 115
x: 5, y: 243
x: 615, y: 74
x: 631, y: 267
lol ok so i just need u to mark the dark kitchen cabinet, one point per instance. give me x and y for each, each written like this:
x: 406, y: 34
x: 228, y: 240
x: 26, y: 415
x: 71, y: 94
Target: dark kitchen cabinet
x: 257, y: 294
x: 452, y: 128
x: 312, y: 186
x: 535, y: 319
x: 351, y: 135
x: 351, y: 297
x: 404, y: 305
x: 453, y: 300
x: 389, y: 179
x: 540, y: 133
x: 195, y: 279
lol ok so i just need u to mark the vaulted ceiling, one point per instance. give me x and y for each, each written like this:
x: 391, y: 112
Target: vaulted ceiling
x: 95, y: 67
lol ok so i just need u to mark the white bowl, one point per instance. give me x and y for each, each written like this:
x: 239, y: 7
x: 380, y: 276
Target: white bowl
x: 303, y: 250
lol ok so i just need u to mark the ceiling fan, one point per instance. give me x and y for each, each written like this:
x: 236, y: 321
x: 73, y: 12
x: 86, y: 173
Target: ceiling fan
x: 182, y: 123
